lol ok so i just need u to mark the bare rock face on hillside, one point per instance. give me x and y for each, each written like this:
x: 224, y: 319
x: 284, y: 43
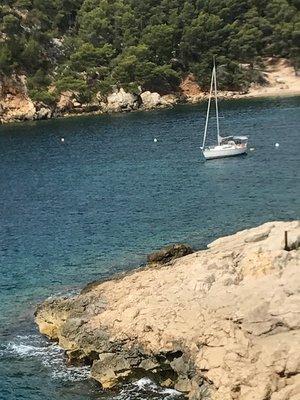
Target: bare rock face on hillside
x: 66, y: 101
x: 220, y: 324
x: 15, y: 105
x: 191, y: 90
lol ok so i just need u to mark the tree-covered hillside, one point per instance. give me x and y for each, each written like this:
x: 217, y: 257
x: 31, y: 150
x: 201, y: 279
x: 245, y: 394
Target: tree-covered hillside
x: 90, y: 45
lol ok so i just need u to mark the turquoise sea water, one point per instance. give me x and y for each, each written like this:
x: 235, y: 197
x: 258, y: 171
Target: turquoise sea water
x: 96, y: 204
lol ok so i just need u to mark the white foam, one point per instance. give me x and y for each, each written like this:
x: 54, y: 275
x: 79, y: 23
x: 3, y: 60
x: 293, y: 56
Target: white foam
x: 145, y: 383
x: 73, y: 374
x: 49, y: 354
x: 140, y: 390
x: 32, y: 346
x: 171, y: 392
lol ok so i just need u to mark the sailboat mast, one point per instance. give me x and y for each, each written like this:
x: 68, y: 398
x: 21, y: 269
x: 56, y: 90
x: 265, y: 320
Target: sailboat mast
x: 208, y: 108
x: 216, y: 102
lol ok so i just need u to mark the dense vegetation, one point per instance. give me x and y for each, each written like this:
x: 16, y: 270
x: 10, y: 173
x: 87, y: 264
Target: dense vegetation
x: 90, y: 45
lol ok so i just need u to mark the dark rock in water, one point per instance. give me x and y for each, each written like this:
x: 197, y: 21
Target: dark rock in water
x: 169, y: 253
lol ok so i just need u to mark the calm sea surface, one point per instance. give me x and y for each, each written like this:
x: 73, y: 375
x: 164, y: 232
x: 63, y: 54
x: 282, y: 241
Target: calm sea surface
x: 96, y: 204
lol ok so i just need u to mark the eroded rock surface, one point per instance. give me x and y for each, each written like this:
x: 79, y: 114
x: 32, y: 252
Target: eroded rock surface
x: 122, y: 101
x: 221, y: 323
x: 150, y: 100
x: 15, y: 105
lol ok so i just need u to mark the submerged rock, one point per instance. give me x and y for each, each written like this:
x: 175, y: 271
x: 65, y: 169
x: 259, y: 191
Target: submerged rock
x: 220, y: 324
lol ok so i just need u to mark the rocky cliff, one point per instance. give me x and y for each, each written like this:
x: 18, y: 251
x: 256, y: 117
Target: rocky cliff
x: 15, y: 103
x: 221, y: 324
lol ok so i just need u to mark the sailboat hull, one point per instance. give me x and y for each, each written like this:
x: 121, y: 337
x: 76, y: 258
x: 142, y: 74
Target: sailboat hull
x: 222, y: 151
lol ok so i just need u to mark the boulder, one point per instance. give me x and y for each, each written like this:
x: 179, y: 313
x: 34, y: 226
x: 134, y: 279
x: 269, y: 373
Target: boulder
x: 169, y: 253
x: 151, y: 100
x: 120, y: 100
x: 169, y: 100
x: 42, y: 111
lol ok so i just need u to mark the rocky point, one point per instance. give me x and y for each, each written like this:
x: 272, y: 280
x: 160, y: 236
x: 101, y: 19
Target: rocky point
x: 221, y: 323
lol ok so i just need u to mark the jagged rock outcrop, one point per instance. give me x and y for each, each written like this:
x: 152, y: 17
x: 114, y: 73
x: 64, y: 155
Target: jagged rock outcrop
x: 220, y: 324
x: 66, y: 101
x: 42, y: 111
x: 15, y: 105
x: 190, y: 89
x: 150, y: 100
x: 169, y: 100
x: 120, y: 100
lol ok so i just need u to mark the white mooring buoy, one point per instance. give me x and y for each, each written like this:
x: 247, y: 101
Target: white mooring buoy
x: 155, y: 140
x: 276, y: 144
x: 62, y: 140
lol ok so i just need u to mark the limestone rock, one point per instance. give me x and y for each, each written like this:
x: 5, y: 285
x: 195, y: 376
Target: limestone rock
x: 190, y: 89
x: 151, y: 100
x: 218, y: 324
x: 15, y: 105
x: 42, y: 111
x: 120, y: 100
x: 168, y: 100
x: 66, y: 101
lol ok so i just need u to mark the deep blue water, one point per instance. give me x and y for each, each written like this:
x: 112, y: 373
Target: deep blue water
x: 96, y: 204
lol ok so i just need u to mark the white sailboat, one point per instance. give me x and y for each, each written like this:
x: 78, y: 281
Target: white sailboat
x: 226, y: 146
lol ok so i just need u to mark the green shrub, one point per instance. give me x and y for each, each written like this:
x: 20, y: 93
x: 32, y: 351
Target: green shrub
x: 70, y: 83
x: 79, y: 42
x: 43, y: 96
x: 105, y: 86
x: 75, y: 84
x: 38, y: 80
x: 5, y: 59
x: 162, y: 79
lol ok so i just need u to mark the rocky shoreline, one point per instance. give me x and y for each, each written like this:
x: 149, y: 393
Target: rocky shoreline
x: 16, y: 105
x: 219, y: 324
